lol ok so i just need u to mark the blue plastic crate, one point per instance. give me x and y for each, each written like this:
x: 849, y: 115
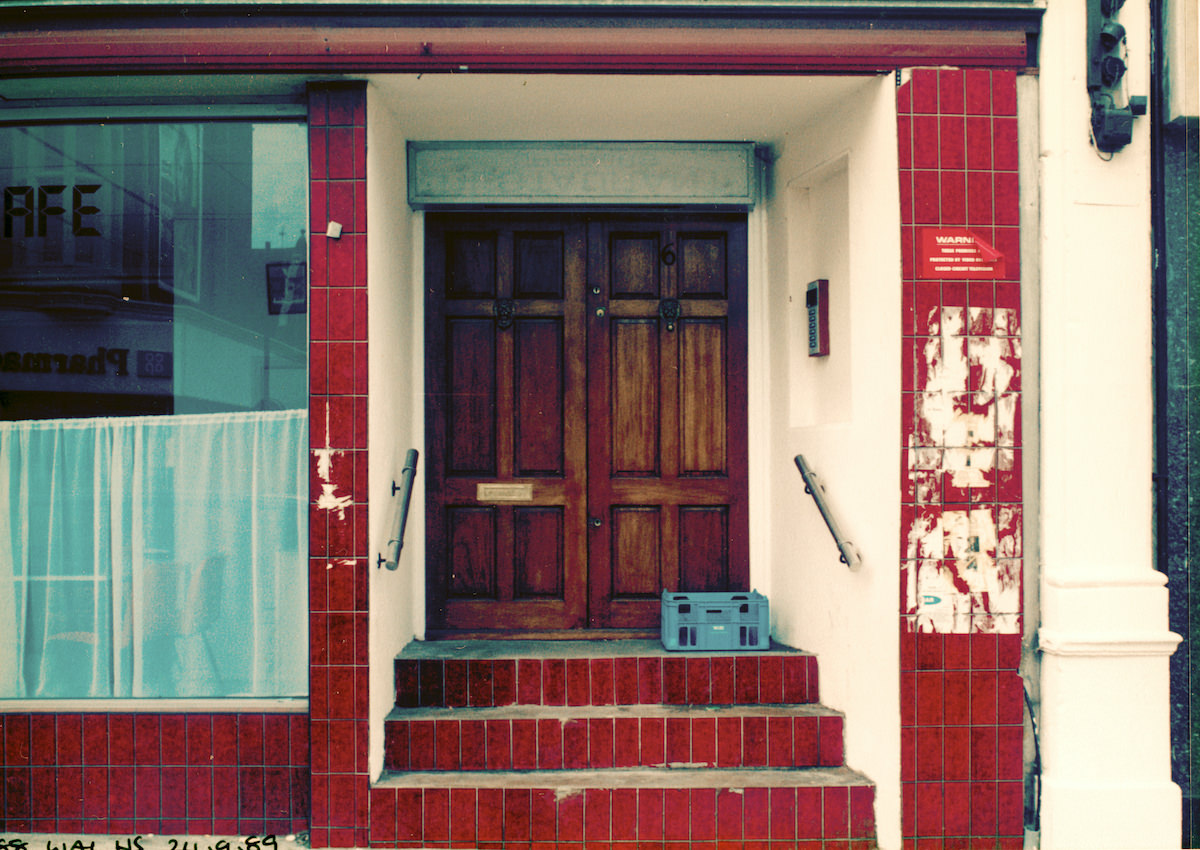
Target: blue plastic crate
x: 715, y: 621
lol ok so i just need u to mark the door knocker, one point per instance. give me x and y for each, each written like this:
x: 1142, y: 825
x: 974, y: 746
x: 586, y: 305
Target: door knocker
x: 668, y: 308
x: 505, y: 308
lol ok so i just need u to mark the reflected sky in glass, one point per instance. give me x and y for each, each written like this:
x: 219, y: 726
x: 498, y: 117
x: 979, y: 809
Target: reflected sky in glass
x: 280, y: 152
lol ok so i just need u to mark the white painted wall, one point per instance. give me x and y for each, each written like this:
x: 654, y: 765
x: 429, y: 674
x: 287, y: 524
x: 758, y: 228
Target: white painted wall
x: 1103, y: 635
x: 835, y: 215
x: 396, y: 408
x: 834, y: 187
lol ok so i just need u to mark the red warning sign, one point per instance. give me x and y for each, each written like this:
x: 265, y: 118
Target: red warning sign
x: 958, y: 253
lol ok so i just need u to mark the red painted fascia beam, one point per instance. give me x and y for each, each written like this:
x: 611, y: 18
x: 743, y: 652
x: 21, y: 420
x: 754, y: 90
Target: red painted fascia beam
x: 303, y: 48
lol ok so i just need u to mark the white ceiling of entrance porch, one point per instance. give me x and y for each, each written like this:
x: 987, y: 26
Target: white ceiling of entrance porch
x: 608, y: 107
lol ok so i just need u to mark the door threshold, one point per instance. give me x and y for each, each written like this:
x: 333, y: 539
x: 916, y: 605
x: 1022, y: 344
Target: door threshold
x: 571, y: 634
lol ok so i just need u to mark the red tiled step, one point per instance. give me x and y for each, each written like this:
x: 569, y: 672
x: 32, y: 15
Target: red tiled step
x: 646, y: 809
x: 572, y: 673
x: 540, y: 738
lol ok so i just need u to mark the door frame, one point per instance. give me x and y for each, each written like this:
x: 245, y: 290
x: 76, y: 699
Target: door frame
x: 582, y: 215
x: 759, y: 411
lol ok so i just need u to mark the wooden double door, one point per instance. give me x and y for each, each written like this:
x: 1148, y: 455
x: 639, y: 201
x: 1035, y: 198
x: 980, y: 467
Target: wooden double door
x: 586, y: 416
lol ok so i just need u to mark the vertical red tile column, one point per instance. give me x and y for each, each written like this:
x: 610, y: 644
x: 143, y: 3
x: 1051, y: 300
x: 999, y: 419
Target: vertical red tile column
x: 338, y: 544
x: 961, y: 495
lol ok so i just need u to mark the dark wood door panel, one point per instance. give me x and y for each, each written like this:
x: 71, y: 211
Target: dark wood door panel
x: 704, y: 264
x: 469, y: 354
x: 470, y: 264
x: 634, y: 412
x: 471, y: 552
x: 505, y: 400
x: 636, y: 268
x: 703, y: 396
x: 667, y: 486
x: 636, y: 533
x: 539, y: 397
x: 538, y: 534
x: 538, y: 265
x: 704, y: 538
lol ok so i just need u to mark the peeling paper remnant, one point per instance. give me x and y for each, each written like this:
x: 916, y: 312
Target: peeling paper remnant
x: 956, y: 578
x: 329, y: 500
x: 962, y: 569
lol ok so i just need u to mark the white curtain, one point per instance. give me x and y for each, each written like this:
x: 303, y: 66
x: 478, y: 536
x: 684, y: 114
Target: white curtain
x: 155, y: 556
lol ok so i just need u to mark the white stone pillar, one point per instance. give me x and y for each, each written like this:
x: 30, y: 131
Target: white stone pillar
x: 1104, y: 637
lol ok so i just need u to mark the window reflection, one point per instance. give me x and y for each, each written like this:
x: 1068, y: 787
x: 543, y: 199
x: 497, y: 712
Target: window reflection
x: 152, y: 268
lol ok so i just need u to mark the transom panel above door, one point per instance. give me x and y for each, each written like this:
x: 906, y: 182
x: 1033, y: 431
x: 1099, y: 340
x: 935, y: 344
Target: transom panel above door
x: 586, y: 416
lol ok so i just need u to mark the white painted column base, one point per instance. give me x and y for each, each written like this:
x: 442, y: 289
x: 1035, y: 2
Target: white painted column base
x: 1109, y: 815
x: 1105, y: 715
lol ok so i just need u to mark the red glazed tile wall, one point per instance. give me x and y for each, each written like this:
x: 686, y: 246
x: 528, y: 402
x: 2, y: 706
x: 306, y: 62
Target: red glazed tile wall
x: 574, y: 743
x: 338, y: 556
x: 625, y: 818
x: 961, y: 499
x: 744, y: 680
x: 133, y: 774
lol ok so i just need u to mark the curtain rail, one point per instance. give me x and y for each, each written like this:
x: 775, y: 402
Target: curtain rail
x: 814, y: 487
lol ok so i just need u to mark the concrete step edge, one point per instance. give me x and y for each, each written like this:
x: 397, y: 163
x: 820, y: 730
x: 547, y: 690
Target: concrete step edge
x: 515, y: 650
x: 586, y: 712
x: 665, y: 777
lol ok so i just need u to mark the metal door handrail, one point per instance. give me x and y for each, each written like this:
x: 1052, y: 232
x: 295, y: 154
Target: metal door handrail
x: 396, y: 542
x: 814, y: 487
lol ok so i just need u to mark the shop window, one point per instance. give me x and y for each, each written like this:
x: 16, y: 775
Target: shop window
x: 153, y: 410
